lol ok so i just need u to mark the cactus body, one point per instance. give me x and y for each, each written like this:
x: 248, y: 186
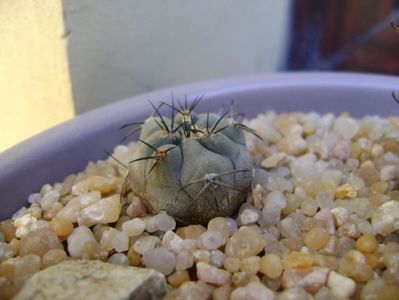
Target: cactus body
x: 194, y: 167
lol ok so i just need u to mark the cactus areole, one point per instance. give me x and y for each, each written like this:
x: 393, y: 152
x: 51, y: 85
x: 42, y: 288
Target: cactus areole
x: 193, y: 166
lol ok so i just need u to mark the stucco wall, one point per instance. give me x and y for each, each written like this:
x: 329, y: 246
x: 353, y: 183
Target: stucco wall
x: 118, y: 48
x: 35, y: 89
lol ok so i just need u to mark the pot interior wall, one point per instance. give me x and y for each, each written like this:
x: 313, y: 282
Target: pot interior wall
x: 66, y: 149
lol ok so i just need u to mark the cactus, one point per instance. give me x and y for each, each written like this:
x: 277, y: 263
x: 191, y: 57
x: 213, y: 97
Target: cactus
x: 194, y: 167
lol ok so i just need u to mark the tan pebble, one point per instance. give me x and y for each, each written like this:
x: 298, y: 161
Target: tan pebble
x: 8, y: 229
x: 61, y: 227
x: 201, y: 255
x: 178, y: 278
x: 369, y: 172
x: 271, y: 266
x: 104, y: 211
x: 366, y: 243
x: 53, y: 211
x: 342, y: 150
x: 134, y: 257
x: 241, y: 278
x: 221, y: 226
x: 292, y: 145
x: 310, y: 279
x: 341, y: 215
x: 191, y: 232
x: 244, y: 243
x: 250, y: 264
x: 274, y: 160
x: 346, y: 191
x: 360, y: 272
x: 191, y: 290
x: 39, y: 242
x: 102, y: 184
x: 252, y: 291
x: 53, y: 257
x: 376, y: 150
x: 298, y: 260
x: 92, y: 250
x: 326, y: 261
x: 7, y: 288
x: 316, y: 238
x: 222, y: 293
x: 136, y: 208
x: 211, y: 274
x: 14, y: 268
x: 232, y: 264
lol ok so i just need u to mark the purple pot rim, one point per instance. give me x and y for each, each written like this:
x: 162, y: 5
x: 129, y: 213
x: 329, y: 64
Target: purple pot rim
x: 220, y: 86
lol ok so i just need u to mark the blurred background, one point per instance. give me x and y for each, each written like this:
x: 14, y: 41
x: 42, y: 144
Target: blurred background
x: 59, y: 59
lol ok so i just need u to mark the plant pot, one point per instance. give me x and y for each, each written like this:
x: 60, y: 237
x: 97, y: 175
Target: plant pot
x: 52, y: 155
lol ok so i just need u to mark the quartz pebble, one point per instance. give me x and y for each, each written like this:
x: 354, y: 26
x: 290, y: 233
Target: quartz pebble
x: 146, y: 243
x: 271, y: 266
x: 210, y: 240
x: 274, y: 160
x: 39, y: 242
x: 341, y: 286
x: 14, y: 268
x: 211, y: 274
x: 310, y: 279
x: 386, y: 218
x: 119, y: 259
x: 76, y: 241
x: 173, y: 242
x: 6, y: 251
x: 134, y: 227
x: 104, y: 211
x: 75, y: 205
x: 252, y: 291
x: 160, y: 259
x: 244, y: 243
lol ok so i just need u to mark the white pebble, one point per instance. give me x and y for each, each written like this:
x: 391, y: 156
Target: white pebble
x: 172, y: 241
x: 75, y: 205
x: 248, y: 214
x: 212, y: 274
x: 184, y: 260
x: 133, y: 227
x: 386, y: 218
x: 119, y: 259
x: 49, y: 199
x: 165, y: 222
x: 341, y: 215
x: 77, y: 239
x: 146, y: 243
x: 217, y: 258
x: 160, y: 259
x: 387, y: 173
x: 151, y: 224
x: 210, y: 240
x: 252, y: 291
x: 34, y: 198
x: 120, y: 242
x: 346, y: 127
x: 341, y: 286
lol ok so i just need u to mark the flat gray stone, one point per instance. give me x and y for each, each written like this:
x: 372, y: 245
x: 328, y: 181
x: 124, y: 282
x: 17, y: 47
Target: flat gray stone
x: 90, y: 279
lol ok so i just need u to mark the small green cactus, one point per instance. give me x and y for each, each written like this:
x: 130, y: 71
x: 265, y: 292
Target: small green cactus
x: 194, y: 167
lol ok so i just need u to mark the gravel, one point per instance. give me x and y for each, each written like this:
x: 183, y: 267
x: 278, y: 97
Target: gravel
x: 321, y: 221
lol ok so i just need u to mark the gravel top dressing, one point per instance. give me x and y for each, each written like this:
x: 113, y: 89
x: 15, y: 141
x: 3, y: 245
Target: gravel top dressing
x: 320, y: 221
